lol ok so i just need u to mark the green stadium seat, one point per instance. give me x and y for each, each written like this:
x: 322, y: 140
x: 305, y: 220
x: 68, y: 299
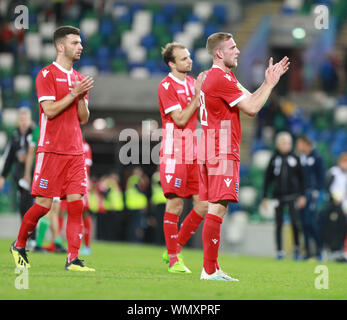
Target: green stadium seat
x: 119, y: 65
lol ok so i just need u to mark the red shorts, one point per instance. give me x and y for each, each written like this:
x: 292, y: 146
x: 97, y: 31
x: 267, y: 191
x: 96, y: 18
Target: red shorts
x: 219, y: 180
x: 58, y: 175
x: 180, y: 179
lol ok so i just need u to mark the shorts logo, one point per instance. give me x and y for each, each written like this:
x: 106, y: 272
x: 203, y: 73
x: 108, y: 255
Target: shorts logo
x: 228, y: 181
x: 215, y: 241
x: 43, y: 183
x: 237, y: 187
x: 178, y: 183
x: 168, y: 178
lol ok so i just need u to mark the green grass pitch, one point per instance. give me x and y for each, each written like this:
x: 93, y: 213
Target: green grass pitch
x: 136, y: 272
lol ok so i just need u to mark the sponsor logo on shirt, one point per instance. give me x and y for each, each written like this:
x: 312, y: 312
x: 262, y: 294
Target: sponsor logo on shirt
x: 178, y: 183
x: 44, y: 73
x: 166, y: 85
x: 61, y: 80
x: 43, y: 183
x: 181, y: 91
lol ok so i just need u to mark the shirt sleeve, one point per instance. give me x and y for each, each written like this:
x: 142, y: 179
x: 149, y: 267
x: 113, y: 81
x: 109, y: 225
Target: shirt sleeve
x: 229, y: 90
x: 45, y: 87
x: 168, y: 97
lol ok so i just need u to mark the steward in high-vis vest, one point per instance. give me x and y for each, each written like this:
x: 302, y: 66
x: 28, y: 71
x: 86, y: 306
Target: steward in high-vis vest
x: 157, y: 191
x: 136, y: 203
x: 114, y: 200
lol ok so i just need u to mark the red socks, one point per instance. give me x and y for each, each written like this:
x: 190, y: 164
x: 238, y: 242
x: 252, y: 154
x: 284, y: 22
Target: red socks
x: 74, y: 228
x: 87, y: 222
x: 170, y: 234
x: 29, y: 223
x: 210, y: 240
x: 188, y: 228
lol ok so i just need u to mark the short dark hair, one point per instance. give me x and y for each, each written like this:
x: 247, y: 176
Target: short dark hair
x: 63, y: 31
x: 306, y: 139
x: 167, y: 51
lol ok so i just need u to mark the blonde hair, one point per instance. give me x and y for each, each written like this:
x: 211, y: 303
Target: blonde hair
x: 214, y: 41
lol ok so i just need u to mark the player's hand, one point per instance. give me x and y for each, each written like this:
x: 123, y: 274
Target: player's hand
x: 274, y: 72
x: 199, y: 81
x: 80, y: 88
x: 283, y: 65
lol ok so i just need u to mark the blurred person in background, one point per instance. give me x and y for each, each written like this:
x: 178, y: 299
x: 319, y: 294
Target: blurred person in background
x: 334, y: 220
x: 110, y: 197
x: 314, y: 170
x: 15, y: 155
x: 285, y: 176
x: 136, y: 203
x: 178, y: 95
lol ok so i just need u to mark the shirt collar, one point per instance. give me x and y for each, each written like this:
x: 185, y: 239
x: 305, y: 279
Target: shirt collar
x: 61, y: 68
x: 177, y: 80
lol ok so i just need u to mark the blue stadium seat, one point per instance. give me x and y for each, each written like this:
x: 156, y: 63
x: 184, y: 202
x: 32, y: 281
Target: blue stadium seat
x: 258, y: 145
x: 159, y: 18
x: 119, y: 53
x: 220, y: 13
x: 7, y: 83
x: 193, y: 18
x: 103, y: 53
x: 106, y: 27
x: 175, y: 27
x: 86, y: 61
x: 210, y: 29
x: 104, y: 66
x: 169, y: 9
x: 148, y: 41
x: 25, y: 103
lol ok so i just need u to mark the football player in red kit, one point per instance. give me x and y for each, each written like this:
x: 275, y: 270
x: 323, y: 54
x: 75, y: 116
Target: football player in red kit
x: 60, y: 169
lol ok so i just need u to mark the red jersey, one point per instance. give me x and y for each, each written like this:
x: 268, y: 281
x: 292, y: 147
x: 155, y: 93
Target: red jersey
x: 87, y: 156
x: 62, y: 134
x: 220, y: 118
x: 175, y: 94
